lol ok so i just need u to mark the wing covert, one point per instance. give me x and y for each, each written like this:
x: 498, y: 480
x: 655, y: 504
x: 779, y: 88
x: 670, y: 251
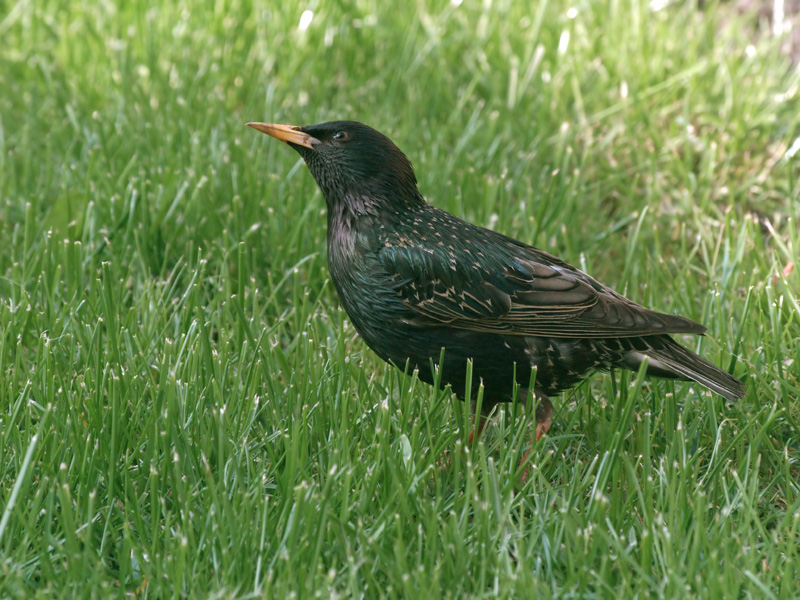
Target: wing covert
x: 533, y: 295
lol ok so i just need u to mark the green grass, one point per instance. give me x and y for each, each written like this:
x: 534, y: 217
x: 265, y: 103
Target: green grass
x: 185, y: 410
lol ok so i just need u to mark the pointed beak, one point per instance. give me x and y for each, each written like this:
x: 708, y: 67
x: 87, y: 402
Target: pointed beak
x: 286, y: 133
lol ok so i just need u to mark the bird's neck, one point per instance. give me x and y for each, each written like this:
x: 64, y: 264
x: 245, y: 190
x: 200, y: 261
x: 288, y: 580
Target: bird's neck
x: 357, y: 209
x: 345, y: 213
x: 355, y: 221
x: 344, y: 220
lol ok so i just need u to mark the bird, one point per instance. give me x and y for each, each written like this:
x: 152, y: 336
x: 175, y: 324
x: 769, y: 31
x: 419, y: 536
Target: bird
x: 431, y: 293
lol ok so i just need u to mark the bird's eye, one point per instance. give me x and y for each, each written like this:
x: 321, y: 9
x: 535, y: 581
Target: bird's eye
x: 340, y: 136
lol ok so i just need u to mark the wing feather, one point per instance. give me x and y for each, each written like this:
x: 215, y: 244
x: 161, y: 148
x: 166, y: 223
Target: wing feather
x: 535, y: 295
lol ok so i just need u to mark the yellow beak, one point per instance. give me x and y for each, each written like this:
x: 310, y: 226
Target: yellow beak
x: 286, y: 133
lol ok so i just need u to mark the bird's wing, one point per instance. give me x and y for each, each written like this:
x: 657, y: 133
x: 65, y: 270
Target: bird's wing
x: 535, y: 294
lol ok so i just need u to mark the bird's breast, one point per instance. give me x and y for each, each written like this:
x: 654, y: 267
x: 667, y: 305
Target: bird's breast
x: 375, y: 308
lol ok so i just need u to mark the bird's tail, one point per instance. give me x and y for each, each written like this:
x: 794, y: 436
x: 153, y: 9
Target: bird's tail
x: 667, y: 358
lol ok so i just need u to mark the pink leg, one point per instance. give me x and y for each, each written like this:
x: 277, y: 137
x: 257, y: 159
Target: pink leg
x: 544, y: 419
x: 480, y: 421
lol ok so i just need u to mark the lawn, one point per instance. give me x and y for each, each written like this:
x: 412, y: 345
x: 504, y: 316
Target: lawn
x: 185, y: 409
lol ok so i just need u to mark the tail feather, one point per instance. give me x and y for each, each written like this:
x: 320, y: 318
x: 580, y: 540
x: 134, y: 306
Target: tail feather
x: 667, y: 358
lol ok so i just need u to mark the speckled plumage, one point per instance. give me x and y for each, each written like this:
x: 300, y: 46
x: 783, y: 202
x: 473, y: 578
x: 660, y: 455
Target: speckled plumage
x: 415, y: 279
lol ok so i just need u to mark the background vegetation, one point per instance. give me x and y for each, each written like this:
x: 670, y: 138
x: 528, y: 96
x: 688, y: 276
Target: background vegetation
x: 185, y: 410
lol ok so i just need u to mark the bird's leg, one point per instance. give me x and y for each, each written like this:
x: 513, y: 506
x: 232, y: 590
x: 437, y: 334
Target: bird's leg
x: 544, y: 415
x: 544, y: 418
x: 480, y: 420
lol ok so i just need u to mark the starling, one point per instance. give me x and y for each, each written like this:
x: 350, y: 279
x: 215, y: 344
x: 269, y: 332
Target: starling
x: 415, y: 279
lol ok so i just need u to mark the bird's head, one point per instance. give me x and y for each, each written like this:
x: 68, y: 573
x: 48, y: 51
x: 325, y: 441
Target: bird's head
x: 352, y: 163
